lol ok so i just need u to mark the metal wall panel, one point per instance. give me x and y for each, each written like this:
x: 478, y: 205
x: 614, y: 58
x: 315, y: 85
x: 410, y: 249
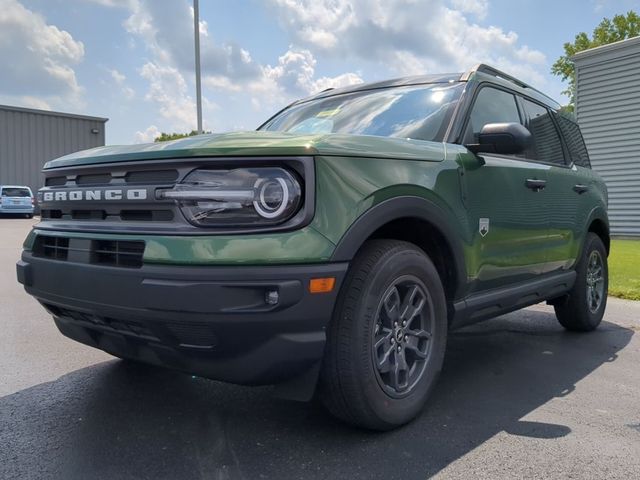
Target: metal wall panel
x: 29, y: 138
x: 608, y: 111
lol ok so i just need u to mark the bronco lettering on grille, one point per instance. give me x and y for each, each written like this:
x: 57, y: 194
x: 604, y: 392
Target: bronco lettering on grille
x: 111, y: 194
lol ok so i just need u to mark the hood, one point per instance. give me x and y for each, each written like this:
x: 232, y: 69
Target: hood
x: 259, y: 143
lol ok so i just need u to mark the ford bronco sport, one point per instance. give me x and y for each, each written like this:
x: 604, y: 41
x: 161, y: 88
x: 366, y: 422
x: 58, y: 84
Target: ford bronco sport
x: 331, y: 250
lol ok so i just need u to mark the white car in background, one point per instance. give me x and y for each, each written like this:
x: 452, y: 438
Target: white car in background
x: 16, y: 200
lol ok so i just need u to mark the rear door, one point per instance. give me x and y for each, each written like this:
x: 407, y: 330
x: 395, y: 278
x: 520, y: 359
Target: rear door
x: 15, y: 197
x: 561, y: 192
x: 510, y: 241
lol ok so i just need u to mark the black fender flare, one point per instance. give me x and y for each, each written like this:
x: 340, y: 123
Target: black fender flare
x: 598, y: 213
x: 395, y: 209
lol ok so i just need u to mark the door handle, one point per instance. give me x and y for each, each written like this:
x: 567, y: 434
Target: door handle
x: 535, y: 185
x: 580, y: 189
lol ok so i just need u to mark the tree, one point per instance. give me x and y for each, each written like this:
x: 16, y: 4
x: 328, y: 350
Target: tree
x: 608, y: 31
x: 165, y: 137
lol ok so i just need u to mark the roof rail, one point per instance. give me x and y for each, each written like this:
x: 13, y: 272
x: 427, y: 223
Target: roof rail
x: 489, y: 70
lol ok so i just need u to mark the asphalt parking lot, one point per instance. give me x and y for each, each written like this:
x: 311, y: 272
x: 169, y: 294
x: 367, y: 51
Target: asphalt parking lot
x: 518, y: 398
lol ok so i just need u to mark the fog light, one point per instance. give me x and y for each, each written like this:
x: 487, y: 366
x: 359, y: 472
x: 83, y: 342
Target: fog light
x: 272, y: 297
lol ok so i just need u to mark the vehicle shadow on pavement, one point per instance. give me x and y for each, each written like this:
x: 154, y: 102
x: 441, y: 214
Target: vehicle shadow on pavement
x: 122, y: 420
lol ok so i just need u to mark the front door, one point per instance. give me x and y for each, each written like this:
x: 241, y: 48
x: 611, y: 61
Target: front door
x: 505, y: 197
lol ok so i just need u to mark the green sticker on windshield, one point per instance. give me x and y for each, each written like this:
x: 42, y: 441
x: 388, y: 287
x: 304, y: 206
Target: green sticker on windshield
x: 328, y: 113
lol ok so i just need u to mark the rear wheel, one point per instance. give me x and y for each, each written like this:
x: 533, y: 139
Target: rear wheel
x: 387, y: 339
x: 583, y: 308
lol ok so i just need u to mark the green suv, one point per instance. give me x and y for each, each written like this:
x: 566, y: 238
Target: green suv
x: 330, y: 251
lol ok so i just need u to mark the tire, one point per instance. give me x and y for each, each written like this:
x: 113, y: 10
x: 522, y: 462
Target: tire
x: 352, y: 386
x: 583, y: 308
x: 29, y: 215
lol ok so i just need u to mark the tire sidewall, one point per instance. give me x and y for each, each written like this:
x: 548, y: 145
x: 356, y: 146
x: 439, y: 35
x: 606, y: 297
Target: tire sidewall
x: 400, y: 262
x: 594, y: 244
x: 586, y: 319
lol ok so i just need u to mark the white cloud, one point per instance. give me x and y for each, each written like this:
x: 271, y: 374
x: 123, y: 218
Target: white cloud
x: 293, y: 77
x: 120, y: 80
x: 114, y: 3
x: 33, y: 102
x: 37, y: 58
x: 166, y: 27
x: 168, y: 89
x: 118, y: 77
x: 147, y: 136
x: 338, y: 81
x: 407, y: 36
x: 317, y: 22
x: 294, y: 71
x: 295, y: 74
x: 479, y: 8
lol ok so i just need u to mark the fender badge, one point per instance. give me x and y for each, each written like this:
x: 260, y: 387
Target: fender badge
x: 483, y: 226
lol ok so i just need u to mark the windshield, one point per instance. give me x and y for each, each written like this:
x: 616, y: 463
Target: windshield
x: 419, y: 112
x: 15, y: 192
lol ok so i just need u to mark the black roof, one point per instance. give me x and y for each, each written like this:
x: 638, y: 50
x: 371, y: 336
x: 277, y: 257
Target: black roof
x: 394, y: 82
x: 479, y: 72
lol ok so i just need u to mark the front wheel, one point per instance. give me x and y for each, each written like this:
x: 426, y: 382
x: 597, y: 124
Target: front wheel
x: 387, y: 338
x: 583, y: 308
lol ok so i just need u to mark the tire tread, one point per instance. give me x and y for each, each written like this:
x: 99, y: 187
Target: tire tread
x: 338, y: 388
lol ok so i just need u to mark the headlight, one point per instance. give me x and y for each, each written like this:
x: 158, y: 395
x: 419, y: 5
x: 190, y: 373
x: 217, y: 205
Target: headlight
x: 239, y: 197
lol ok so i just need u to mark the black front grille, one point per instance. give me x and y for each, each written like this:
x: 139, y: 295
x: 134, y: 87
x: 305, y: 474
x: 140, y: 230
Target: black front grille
x: 112, y: 253
x: 146, y: 215
x: 56, y: 248
x: 93, y: 179
x: 107, y: 178
x: 47, y: 213
x: 117, y: 253
x: 55, y: 181
x: 152, y: 176
x: 88, y: 214
x: 191, y: 335
x: 127, y: 327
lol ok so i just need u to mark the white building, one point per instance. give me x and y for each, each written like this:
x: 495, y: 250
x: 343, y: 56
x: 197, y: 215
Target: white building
x: 608, y: 112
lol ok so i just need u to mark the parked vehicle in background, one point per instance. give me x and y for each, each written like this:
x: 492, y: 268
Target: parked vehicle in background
x: 16, y: 200
x: 336, y: 246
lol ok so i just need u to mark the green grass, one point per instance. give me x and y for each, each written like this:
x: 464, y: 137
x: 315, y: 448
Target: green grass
x: 624, y: 269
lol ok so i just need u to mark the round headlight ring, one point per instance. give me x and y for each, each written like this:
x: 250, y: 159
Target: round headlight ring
x: 261, y: 205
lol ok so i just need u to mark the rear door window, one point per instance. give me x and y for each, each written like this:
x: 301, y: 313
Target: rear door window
x: 546, y: 146
x: 15, y: 192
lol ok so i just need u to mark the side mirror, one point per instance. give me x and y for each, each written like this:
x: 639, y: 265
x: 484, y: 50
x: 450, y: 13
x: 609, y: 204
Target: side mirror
x: 502, y: 138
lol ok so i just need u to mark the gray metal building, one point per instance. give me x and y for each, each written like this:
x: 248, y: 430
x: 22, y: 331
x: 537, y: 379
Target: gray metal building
x: 608, y: 111
x: 29, y: 138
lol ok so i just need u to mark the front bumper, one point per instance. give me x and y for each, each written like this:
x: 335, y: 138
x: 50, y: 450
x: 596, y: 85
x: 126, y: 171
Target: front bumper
x: 211, y: 321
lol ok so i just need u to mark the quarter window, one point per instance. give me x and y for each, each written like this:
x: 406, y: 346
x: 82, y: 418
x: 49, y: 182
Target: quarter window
x: 546, y: 146
x: 573, y: 139
x: 491, y: 106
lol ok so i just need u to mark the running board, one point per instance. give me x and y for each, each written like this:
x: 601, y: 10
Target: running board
x: 492, y: 303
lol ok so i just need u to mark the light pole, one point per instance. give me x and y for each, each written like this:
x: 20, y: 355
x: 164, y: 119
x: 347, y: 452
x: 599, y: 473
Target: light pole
x: 196, y: 28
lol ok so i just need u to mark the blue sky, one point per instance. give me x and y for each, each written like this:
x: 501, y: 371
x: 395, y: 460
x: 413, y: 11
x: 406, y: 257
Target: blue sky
x: 132, y: 60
